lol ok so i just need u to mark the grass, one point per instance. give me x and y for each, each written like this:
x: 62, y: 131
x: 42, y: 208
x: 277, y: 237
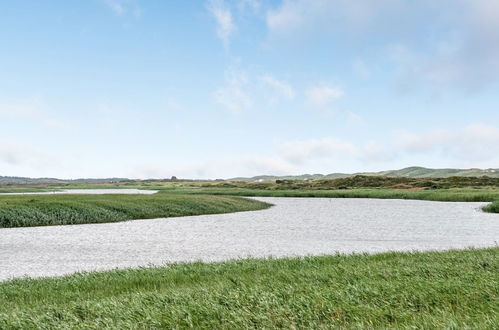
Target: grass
x: 44, y: 210
x: 179, y: 199
x: 484, y: 194
x: 448, y: 195
x: 453, y: 290
x: 18, y: 189
x: 492, y: 207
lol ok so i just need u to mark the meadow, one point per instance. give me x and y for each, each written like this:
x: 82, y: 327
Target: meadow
x: 207, y: 197
x: 453, y: 290
x: 45, y: 210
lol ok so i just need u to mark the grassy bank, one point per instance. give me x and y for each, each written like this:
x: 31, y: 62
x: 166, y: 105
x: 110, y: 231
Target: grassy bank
x: 43, y: 210
x: 456, y: 289
x: 488, y: 194
x: 448, y: 195
x: 492, y: 207
x: 18, y: 189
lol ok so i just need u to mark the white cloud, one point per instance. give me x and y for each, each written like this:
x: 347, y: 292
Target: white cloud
x: 464, y: 52
x: 300, y: 152
x: 323, y: 95
x: 258, y: 165
x: 373, y: 151
x: 325, y: 15
x: 254, y: 5
x: 233, y: 95
x: 360, y: 67
x: 33, y: 110
x: 117, y: 6
x: 290, y: 15
x: 15, y: 154
x: 123, y: 7
x: 224, y: 19
x: 280, y: 88
x: 354, y: 120
x: 474, y: 143
x: 150, y: 171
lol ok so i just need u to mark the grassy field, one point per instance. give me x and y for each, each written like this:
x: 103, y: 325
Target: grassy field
x: 455, y: 195
x: 492, y: 207
x: 20, y: 189
x: 470, y: 194
x: 193, y: 198
x: 453, y: 290
x: 44, y: 210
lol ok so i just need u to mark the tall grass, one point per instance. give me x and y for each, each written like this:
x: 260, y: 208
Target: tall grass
x: 444, y: 195
x: 453, y: 290
x: 455, y: 195
x: 43, y: 210
x: 492, y: 207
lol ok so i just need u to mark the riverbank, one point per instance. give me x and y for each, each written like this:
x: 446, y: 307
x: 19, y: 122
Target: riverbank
x: 60, y: 209
x: 455, y: 289
x: 292, y: 227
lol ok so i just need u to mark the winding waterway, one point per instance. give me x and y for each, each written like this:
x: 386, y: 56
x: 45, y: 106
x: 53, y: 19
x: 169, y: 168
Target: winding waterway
x: 293, y: 227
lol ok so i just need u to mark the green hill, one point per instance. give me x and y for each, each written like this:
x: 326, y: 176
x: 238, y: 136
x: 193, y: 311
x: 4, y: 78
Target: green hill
x: 408, y: 172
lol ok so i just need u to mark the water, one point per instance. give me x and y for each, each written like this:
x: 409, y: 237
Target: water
x: 88, y: 192
x: 293, y: 227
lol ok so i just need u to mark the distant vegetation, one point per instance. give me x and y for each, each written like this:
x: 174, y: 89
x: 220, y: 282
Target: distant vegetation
x: 365, y: 181
x: 492, y: 207
x: 44, y: 210
x: 16, y: 180
x: 409, y: 172
x: 451, y: 290
x: 178, y: 198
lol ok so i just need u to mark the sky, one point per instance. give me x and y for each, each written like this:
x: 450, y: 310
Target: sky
x: 224, y: 88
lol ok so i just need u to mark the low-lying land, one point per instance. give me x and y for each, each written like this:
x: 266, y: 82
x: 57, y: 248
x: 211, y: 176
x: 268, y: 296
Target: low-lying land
x: 492, y: 207
x: 44, y: 210
x: 455, y: 289
x: 183, y: 198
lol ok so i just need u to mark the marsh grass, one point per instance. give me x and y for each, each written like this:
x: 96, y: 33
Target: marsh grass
x: 44, y: 210
x: 492, y: 207
x: 454, y: 290
x: 487, y: 194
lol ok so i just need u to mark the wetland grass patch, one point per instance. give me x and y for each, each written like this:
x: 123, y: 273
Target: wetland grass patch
x: 45, y: 210
x: 454, y: 289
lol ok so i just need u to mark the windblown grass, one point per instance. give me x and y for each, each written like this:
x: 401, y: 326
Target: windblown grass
x: 454, y: 290
x: 447, y: 195
x: 44, y: 210
x: 444, y: 195
x: 492, y: 207
x: 21, y: 189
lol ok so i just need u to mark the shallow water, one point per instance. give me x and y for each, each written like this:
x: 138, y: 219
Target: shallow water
x: 88, y: 192
x: 293, y: 227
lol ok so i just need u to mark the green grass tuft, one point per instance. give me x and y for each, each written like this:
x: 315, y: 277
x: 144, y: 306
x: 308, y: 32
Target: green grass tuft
x: 454, y: 290
x: 492, y: 207
x: 45, y: 210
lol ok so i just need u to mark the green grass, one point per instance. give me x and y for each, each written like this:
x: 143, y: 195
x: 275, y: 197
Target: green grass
x: 445, y: 195
x: 454, y: 195
x: 18, y: 189
x: 492, y: 207
x: 453, y: 290
x: 43, y: 210
x: 181, y: 199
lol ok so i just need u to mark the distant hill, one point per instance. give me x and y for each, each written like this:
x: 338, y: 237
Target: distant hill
x: 408, y: 172
x: 14, y: 180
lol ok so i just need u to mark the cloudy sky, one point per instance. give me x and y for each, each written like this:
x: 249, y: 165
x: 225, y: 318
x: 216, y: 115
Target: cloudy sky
x: 223, y: 88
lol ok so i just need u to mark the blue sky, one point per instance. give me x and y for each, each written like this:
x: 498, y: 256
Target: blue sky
x: 217, y: 89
